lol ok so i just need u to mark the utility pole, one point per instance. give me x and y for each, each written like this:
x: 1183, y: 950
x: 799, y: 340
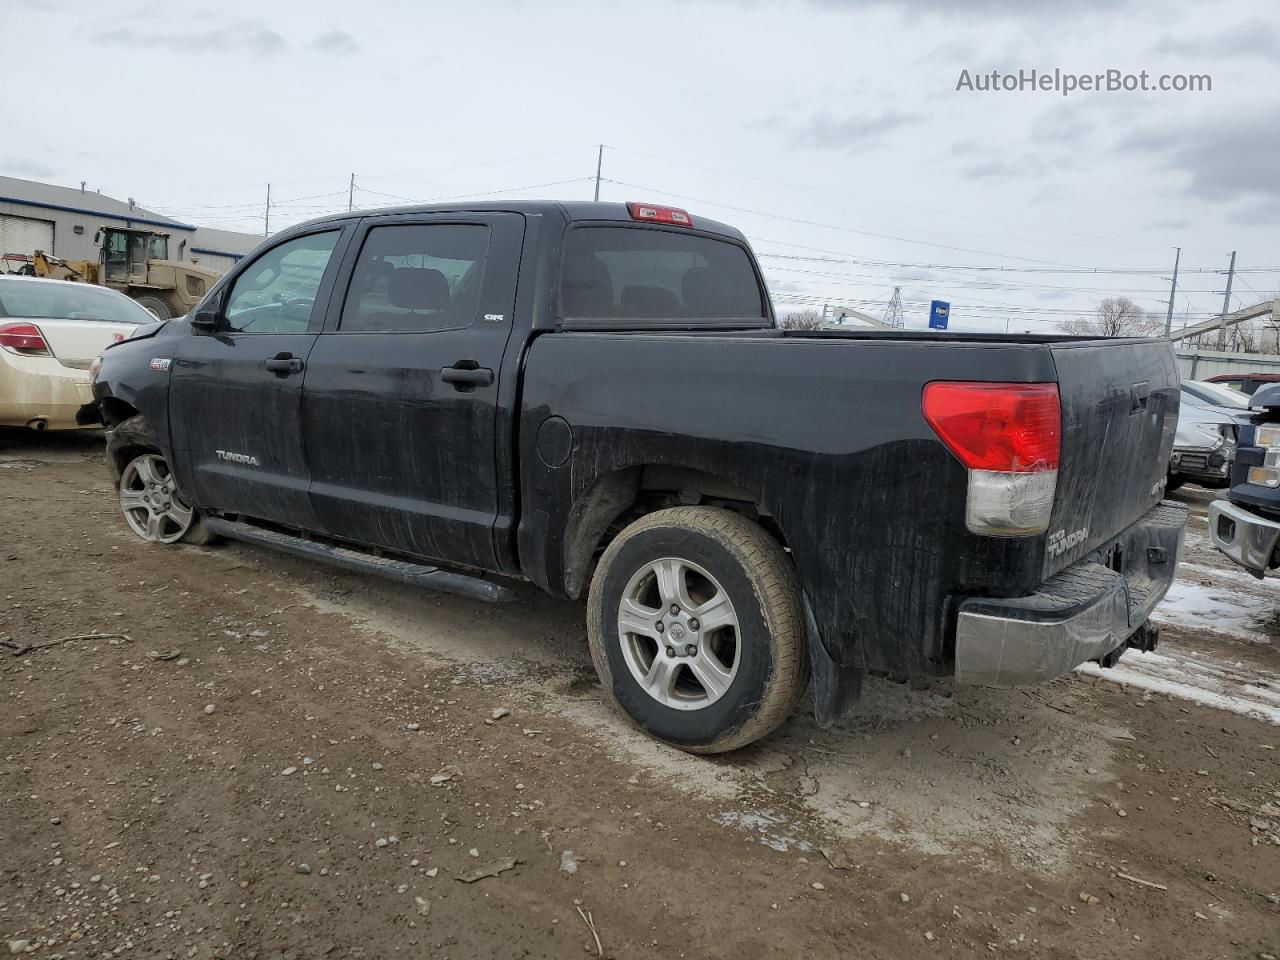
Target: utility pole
x: 351, y: 193
x: 599, y: 164
x: 1226, y: 304
x: 266, y: 219
x: 1173, y: 290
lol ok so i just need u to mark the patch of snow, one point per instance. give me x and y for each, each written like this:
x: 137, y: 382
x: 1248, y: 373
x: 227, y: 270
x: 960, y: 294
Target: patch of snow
x: 1198, y: 679
x: 1234, y: 574
x: 1218, y: 609
x: 771, y: 829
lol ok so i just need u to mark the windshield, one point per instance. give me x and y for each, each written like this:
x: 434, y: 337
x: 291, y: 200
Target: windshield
x: 54, y: 300
x: 1217, y: 394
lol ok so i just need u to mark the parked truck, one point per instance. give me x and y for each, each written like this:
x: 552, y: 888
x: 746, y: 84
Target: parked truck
x: 596, y: 398
x: 1245, y: 523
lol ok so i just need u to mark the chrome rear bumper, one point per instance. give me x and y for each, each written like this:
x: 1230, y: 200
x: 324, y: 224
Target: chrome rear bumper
x: 1084, y: 612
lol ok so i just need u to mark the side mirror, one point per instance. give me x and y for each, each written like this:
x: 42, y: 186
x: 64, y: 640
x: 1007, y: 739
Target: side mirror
x: 205, y: 317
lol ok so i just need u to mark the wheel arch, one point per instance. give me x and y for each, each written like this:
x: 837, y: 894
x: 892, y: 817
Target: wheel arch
x: 624, y: 494
x: 128, y: 435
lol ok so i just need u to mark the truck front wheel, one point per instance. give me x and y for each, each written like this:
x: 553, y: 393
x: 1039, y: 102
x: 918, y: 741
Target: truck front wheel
x: 153, y: 505
x: 696, y: 628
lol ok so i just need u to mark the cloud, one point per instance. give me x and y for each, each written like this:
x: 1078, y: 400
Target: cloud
x: 852, y: 134
x: 335, y: 41
x: 1063, y: 124
x: 25, y: 168
x: 1252, y: 38
x: 989, y: 169
x: 250, y: 36
x: 1264, y: 213
x: 1229, y: 156
x: 971, y: 9
x: 1169, y: 223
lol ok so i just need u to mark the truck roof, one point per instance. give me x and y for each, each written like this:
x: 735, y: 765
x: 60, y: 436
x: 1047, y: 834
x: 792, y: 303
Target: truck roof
x: 570, y: 210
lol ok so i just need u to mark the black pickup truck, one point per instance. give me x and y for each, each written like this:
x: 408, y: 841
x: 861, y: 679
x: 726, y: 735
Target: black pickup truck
x: 596, y: 398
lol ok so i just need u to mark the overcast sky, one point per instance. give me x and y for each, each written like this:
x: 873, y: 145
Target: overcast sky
x: 830, y: 131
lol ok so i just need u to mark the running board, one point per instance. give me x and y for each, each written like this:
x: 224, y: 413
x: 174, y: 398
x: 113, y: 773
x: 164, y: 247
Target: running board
x: 417, y: 574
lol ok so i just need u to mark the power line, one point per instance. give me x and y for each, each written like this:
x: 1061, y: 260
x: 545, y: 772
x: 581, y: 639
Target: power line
x: 870, y: 261
x: 832, y: 226
x: 1039, y: 230
x: 476, y: 193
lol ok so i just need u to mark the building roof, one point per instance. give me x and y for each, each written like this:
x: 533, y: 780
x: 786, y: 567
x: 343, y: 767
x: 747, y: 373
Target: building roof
x: 33, y: 193
x: 225, y: 242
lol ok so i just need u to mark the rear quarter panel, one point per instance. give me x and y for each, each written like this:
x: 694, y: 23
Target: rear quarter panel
x: 829, y: 438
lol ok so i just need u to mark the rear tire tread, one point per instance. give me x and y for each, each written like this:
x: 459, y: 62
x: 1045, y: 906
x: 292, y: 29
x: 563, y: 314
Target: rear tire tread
x: 777, y: 590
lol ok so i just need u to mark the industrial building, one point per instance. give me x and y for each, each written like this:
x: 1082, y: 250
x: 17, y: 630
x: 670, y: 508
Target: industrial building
x: 62, y: 221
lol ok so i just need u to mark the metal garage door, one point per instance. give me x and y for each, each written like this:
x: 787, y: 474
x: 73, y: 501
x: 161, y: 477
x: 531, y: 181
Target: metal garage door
x: 25, y: 236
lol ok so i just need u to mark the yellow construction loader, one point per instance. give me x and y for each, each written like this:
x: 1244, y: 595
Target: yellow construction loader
x: 135, y: 262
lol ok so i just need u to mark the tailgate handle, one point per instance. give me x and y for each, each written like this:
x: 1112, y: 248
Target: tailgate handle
x: 1140, y: 393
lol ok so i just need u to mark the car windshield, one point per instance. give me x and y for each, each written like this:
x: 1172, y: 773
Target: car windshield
x: 1217, y: 394
x: 33, y: 299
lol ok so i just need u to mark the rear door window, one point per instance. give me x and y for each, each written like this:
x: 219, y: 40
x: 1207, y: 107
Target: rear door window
x: 415, y: 278
x: 628, y: 276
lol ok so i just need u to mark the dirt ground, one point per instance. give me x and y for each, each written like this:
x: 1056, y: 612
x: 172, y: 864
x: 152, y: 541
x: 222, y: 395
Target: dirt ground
x: 271, y: 759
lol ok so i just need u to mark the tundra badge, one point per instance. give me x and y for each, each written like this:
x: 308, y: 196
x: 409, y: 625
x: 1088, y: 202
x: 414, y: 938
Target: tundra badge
x: 1060, y: 541
x: 230, y: 457
x: 159, y: 364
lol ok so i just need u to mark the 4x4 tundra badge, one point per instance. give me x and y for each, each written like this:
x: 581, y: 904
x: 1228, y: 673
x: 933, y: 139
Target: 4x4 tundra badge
x: 1060, y: 541
x: 159, y: 364
x: 230, y: 457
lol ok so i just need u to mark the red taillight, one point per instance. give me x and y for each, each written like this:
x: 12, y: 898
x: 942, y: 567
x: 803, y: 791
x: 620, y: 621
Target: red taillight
x: 1008, y: 427
x: 23, y: 338
x: 656, y: 214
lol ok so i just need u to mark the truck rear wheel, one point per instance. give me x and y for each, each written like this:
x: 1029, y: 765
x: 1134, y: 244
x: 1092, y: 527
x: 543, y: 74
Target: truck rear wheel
x: 696, y: 628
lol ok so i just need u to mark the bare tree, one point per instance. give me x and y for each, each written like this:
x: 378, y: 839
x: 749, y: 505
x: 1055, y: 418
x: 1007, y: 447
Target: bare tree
x: 1115, y: 317
x: 802, y: 320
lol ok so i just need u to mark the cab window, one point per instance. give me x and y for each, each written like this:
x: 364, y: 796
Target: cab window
x: 277, y: 292
x: 631, y: 276
x: 415, y: 278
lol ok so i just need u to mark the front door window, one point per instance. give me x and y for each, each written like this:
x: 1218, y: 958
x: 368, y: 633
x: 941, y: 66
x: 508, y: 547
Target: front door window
x: 277, y: 292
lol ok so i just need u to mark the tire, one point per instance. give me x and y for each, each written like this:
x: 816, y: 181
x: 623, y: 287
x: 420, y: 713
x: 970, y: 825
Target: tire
x: 716, y: 556
x: 157, y: 306
x: 1175, y: 481
x: 153, y: 506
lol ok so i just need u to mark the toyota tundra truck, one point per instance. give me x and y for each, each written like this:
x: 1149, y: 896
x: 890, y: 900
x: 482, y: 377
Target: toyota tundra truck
x: 596, y: 398
x: 1245, y: 523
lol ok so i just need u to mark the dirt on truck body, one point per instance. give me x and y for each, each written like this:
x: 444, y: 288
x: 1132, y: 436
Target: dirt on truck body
x: 262, y: 757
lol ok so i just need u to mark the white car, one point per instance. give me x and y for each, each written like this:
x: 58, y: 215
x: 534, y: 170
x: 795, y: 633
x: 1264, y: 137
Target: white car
x: 50, y: 332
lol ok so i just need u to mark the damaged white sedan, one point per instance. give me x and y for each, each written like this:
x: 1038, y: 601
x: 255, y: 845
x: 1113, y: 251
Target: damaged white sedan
x: 50, y: 333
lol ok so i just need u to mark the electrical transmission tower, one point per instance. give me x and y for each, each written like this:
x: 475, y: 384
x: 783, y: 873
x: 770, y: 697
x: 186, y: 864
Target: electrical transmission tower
x: 893, y: 312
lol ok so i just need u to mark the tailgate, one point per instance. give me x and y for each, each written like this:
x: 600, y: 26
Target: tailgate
x: 1119, y: 414
x: 76, y: 342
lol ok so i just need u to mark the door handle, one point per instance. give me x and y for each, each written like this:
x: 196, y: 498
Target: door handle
x: 284, y: 363
x: 467, y: 375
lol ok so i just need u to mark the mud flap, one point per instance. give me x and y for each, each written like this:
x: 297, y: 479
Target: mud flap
x: 836, y: 688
